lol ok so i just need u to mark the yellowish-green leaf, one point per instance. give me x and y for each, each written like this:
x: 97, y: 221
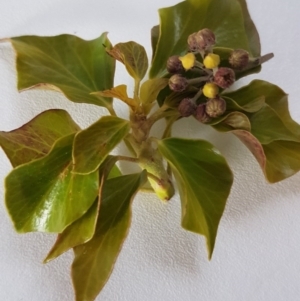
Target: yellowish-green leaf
x: 204, y: 181
x: 149, y: 92
x: 44, y: 195
x: 232, y: 121
x: 92, y: 145
x: 119, y: 92
x: 69, y: 64
x: 94, y: 260
x: 34, y: 139
x: 133, y: 56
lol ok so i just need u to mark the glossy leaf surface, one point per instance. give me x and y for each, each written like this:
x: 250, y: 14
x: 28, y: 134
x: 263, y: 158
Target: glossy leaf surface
x: 204, y: 180
x: 44, y: 195
x: 34, y: 139
x: 133, y: 56
x: 92, y: 145
x: 95, y: 259
x: 226, y: 18
x: 83, y: 229
x: 66, y: 63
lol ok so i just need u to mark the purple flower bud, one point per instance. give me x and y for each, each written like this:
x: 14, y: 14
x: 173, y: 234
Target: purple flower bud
x: 174, y: 65
x: 187, y: 107
x: 201, y: 114
x: 239, y: 59
x: 224, y: 77
x: 201, y: 40
x: 215, y: 107
x: 178, y: 83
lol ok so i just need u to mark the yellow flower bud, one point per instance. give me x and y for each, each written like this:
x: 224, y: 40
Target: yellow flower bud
x: 210, y: 90
x: 188, y: 61
x: 211, y: 61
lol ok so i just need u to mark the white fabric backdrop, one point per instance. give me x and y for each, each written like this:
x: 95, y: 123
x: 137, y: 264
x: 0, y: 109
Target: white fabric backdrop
x: 257, y: 251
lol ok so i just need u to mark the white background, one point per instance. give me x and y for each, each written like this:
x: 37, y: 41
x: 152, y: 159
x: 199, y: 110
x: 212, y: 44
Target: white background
x: 257, y: 251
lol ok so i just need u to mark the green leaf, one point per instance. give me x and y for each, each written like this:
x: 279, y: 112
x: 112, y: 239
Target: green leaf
x: 274, y: 139
x: 225, y: 18
x: 92, y: 145
x: 133, y: 56
x: 34, y: 139
x: 155, y: 32
x: 83, y: 229
x: 150, y: 90
x: 204, y: 180
x: 95, y: 260
x: 232, y: 121
x: 252, y: 106
x: 44, y: 195
x: 66, y: 63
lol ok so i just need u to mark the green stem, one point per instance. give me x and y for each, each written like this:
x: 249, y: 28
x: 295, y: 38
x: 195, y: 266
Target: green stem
x: 111, y: 110
x: 129, y: 159
x: 136, y: 89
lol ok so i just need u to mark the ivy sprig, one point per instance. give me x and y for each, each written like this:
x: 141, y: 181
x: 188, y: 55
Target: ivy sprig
x: 66, y: 180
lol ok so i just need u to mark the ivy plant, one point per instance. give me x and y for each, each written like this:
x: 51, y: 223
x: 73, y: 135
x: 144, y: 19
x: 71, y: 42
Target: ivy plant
x: 66, y: 180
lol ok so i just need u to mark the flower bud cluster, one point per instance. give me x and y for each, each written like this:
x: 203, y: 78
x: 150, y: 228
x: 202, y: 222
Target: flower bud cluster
x: 213, y: 77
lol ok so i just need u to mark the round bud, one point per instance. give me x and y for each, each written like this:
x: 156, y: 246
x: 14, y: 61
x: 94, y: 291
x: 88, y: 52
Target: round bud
x: 201, y: 114
x: 224, y: 77
x: 210, y: 90
x: 215, y: 107
x: 178, y: 83
x: 188, y: 61
x: 211, y: 61
x: 187, y: 107
x: 174, y: 65
x: 201, y: 40
x: 208, y: 38
x: 239, y: 59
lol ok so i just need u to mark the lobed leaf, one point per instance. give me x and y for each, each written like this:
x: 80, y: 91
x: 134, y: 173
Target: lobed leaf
x: 66, y: 63
x: 204, y: 180
x: 229, y: 19
x: 44, y: 195
x: 92, y: 145
x: 34, y: 139
x: 96, y: 258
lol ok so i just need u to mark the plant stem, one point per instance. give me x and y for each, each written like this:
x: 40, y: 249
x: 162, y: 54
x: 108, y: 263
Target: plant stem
x: 136, y: 89
x: 129, y: 159
x: 111, y: 110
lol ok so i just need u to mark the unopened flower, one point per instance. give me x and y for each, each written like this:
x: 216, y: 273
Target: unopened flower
x: 201, y: 40
x: 211, y: 61
x: 239, y: 59
x: 215, y: 107
x: 174, y: 65
x: 178, y: 83
x: 210, y: 90
x: 187, y: 107
x: 201, y: 114
x: 188, y: 60
x: 224, y: 77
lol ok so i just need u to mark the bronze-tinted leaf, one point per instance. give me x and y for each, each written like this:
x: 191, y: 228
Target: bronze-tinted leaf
x: 34, y: 139
x: 133, y: 56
